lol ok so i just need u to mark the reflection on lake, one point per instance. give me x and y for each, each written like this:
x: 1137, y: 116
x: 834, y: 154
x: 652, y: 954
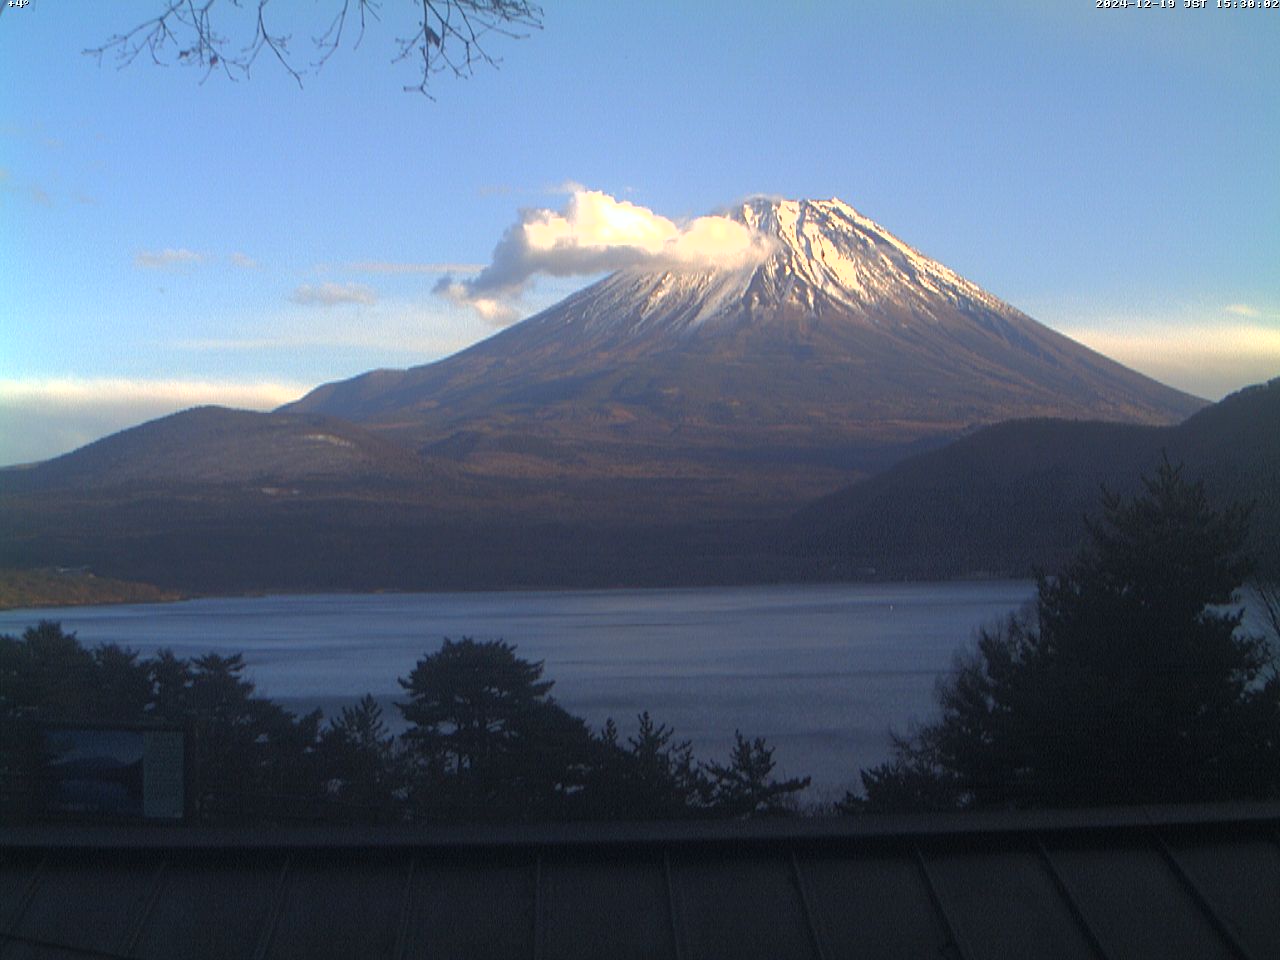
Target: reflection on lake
x: 822, y: 671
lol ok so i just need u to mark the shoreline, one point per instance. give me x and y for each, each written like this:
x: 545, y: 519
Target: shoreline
x: 71, y: 589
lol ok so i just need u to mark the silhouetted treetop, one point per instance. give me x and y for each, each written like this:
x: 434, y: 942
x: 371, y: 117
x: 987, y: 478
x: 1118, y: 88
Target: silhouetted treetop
x: 746, y: 787
x: 468, y: 700
x: 485, y: 738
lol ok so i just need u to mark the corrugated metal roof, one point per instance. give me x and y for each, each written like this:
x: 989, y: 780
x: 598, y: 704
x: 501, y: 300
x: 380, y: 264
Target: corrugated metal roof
x: 1195, y: 882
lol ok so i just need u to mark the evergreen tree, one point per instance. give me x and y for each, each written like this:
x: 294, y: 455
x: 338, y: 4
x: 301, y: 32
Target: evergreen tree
x: 1129, y: 682
x: 486, y: 739
x: 358, y: 761
x: 253, y: 759
x: 47, y: 670
x: 123, y: 688
x: 745, y: 786
x: 652, y: 776
x: 44, y: 675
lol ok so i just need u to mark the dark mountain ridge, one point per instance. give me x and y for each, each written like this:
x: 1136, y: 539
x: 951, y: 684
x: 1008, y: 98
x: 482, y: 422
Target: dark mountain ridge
x: 1003, y: 501
x: 1013, y: 497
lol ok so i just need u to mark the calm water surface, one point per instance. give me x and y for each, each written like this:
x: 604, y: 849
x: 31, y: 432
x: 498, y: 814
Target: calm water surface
x: 824, y: 672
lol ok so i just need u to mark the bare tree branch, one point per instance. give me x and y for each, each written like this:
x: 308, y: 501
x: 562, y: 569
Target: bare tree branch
x: 331, y: 39
x: 452, y: 36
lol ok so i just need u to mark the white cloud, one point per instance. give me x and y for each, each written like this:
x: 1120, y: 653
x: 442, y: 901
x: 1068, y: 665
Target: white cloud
x: 1207, y: 359
x: 45, y: 417
x: 75, y: 391
x: 380, y: 266
x: 413, y: 331
x: 596, y: 233
x: 333, y: 294
x: 166, y: 259
x: 171, y: 258
x: 1241, y: 310
x: 490, y: 309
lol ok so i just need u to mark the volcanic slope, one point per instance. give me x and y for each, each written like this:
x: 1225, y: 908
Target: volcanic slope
x: 216, y: 446
x: 745, y: 390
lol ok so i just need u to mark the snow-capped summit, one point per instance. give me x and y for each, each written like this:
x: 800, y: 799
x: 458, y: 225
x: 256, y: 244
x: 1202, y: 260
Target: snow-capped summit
x: 823, y: 258
x: 838, y: 253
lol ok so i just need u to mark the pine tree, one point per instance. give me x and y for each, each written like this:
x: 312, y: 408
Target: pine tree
x: 486, y: 740
x: 358, y: 761
x: 1131, y: 680
x: 745, y: 786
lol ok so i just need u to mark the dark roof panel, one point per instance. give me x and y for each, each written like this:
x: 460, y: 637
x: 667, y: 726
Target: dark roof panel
x: 87, y: 903
x: 17, y: 881
x: 471, y: 910
x: 1005, y: 903
x: 1120, y: 882
x: 753, y: 910
x: 874, y: 905
x: 212, y: 909
x: 1234, y: 875
x: 625, y: 899
x: 340, y: 906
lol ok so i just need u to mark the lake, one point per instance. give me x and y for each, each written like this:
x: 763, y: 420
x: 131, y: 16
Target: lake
x: 823, y: 672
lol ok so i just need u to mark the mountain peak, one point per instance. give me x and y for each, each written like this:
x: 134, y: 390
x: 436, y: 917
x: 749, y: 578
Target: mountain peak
x: 817, y: 257
x: 763, y: 204
x: 828, y: 248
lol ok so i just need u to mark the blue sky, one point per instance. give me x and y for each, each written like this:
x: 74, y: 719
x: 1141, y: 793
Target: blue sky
x: 167, y: 242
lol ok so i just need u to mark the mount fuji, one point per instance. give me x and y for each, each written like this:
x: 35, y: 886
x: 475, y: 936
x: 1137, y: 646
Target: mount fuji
x: 840, y: 352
